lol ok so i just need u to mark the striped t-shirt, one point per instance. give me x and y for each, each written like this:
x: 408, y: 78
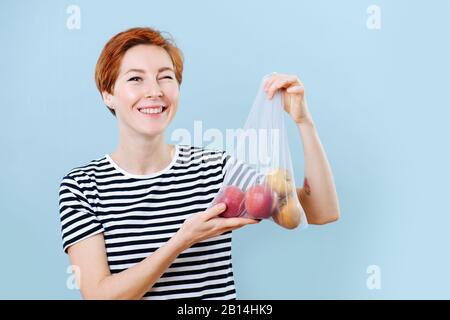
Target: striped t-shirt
x: 137, y: 214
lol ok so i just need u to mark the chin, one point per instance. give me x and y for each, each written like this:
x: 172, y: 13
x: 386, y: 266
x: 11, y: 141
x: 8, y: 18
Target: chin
x: 148, y: 125
x: 151, y: 132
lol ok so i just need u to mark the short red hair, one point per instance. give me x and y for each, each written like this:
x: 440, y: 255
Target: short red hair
x: 108, y: 64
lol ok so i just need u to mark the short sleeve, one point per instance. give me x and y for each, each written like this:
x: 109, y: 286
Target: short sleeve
x: 239, y: 173
x: 78, y: 220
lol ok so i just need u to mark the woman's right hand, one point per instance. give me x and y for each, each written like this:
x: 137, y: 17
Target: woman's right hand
x: 207, y: 224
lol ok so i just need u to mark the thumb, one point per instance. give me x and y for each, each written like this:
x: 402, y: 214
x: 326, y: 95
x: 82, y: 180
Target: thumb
x: 215, y: 210
x: 296, y: 89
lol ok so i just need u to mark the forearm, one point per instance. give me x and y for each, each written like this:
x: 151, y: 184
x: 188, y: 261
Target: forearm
x: 318, y: 196
x: 134, y: 282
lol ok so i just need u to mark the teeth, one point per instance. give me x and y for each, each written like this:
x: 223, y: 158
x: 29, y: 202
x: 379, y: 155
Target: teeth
x: 151, y: 110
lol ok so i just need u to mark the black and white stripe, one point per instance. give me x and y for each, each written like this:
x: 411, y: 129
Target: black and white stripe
x: 138, y: 214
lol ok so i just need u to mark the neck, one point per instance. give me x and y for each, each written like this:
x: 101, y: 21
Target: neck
x: 143, y: 155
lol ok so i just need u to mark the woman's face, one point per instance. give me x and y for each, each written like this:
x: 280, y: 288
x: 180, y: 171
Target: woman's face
x: 145, y: 95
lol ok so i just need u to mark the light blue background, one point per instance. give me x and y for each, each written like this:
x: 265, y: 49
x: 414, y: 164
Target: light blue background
x: 379, y: 99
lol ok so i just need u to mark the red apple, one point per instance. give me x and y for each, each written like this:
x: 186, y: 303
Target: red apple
x: 233, y: 197
x: 259, y: 201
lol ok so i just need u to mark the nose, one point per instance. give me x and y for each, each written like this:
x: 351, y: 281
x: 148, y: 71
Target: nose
x: 153, y: 90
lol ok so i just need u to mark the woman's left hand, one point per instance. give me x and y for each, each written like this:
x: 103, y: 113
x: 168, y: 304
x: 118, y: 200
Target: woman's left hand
x: 292, y: 95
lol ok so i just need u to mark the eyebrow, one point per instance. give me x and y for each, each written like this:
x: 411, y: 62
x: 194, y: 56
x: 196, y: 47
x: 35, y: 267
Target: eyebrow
x: 143, y: 71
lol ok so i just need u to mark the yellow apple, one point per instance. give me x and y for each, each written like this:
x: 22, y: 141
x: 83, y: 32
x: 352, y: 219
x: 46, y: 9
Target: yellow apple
x: 289, y: 214
x: 280, y: 181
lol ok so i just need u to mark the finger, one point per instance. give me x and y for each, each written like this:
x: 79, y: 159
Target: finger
x: 284, y: 82
x: 235, y: 227
x: 273, y: 77
x: 281, y: 83
x: 215, y: 211
x: 295, y: 89
x: 239, y: 222
x: 272, y: 90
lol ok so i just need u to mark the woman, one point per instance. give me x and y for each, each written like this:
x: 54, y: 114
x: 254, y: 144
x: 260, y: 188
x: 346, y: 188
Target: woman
x: 136, y: 223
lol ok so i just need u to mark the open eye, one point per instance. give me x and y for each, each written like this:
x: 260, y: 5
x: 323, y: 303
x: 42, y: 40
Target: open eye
x: 135, y: 79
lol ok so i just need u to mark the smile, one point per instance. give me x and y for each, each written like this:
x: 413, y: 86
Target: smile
x: 152, y: 111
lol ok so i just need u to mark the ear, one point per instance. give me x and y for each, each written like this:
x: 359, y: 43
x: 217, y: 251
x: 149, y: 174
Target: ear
x: 108, y: 99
